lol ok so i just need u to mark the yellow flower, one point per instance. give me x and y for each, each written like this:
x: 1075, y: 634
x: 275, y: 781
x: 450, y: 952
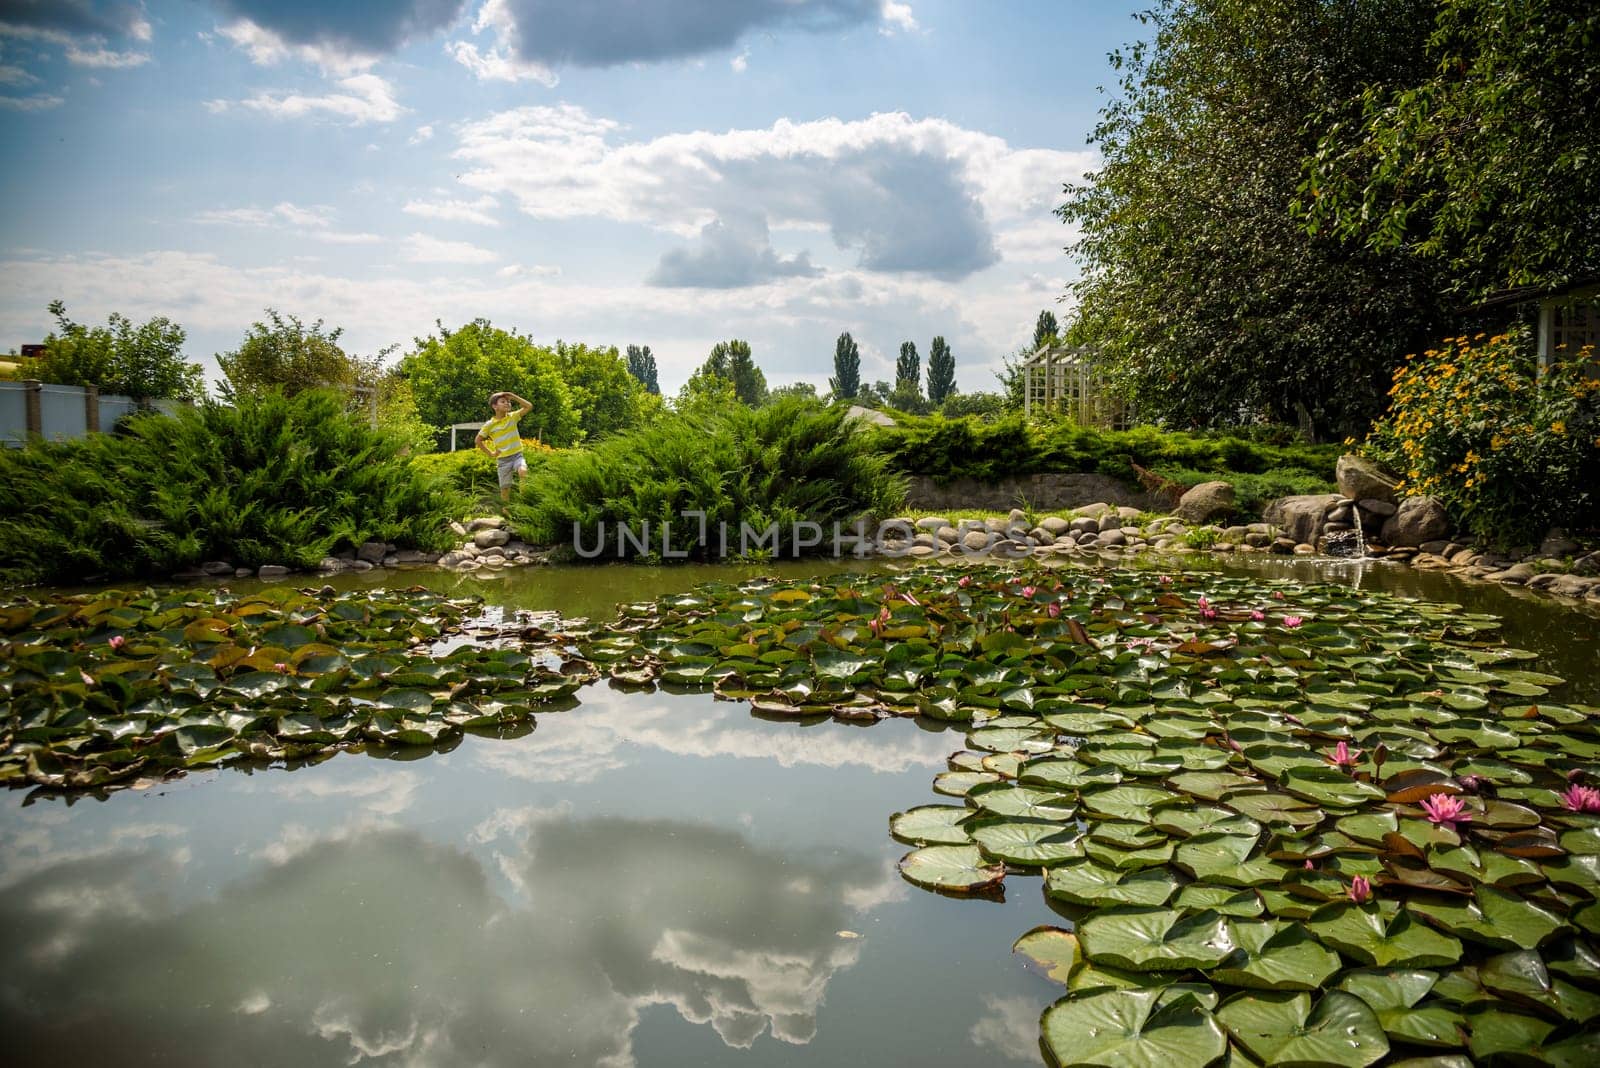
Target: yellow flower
x: 1559, y: 427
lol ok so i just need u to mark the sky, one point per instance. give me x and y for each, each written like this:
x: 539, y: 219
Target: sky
x: 669, y: 173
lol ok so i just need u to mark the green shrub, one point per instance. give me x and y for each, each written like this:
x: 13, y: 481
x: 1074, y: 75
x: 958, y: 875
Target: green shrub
x: 472, y: 473
x: 274, y: 480
x: 792, y: 460
x: 948, y: 449
x: 1253, y: 492
x: 1508, y: 456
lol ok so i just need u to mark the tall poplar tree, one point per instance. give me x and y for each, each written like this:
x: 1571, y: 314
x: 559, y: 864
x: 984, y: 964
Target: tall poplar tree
x: 846, y: 380
x: 642, y: 365
x: 941, y: 371
x: 908, y: 369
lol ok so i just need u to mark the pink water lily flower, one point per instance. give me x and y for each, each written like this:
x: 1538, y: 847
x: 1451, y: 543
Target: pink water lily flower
x: 116, y: 641
x: 1292, y: 621
x: 1166, y: 580
x: 1257, y: 614
x: 1202, y: 601
x: 965, y: 581
x: 1360, y: 890
x: 1344, y: 757
x: 1277, y: 595
x: 281, y: 668
x: 1208, y: 613
x: 1029, y: 591
x: 1442, y: 808
x: 1581, y: 798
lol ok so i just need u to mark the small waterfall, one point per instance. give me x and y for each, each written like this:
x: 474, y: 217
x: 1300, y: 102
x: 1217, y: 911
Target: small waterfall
x: 1347, y: 544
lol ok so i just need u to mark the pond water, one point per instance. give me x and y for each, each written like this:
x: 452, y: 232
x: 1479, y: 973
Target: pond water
x: 646, y: 879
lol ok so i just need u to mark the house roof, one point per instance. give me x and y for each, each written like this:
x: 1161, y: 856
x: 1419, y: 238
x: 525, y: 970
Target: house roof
x: 1529, y: 294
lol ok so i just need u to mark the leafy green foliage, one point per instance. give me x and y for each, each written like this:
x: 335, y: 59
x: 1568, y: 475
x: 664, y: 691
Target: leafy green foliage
x: 287, y: 356
x: 1208, y: 303
x: 941, y: 372
x: 120, y: 358
x: 605, y: 395
x: 730, y: 362
x: 1508, y: 454
x: 274, y: 480
x: 642, y: 366
x: 790, y: 461
x: 948, y: 449
x: 846, y: 380
x: 1252, y: 492
x: 1045, y: 329
x: 472, y: 473
x: 908, y: 368
x: 452, y: 375
x: 1485, y: 161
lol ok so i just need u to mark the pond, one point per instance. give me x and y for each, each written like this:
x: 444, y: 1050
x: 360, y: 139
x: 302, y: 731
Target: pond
x: 648, y: 878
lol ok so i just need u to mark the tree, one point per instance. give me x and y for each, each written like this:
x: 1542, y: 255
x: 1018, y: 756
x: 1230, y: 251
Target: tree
x: 908, y: 370
x: 794, y: 389
x: 1206, y: 300
x: 143, y: 361
x: 846, y: 380
x: 289, y: 357
x: 1489, y: 165
x: 642, y: 366
x: 1045, y: 329
x: 605, y: 395
x: 731, y: 362
x: 941, y: 372
x: 452, y: 375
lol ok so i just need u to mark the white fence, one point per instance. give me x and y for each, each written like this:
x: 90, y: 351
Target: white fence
x: 29, y: 408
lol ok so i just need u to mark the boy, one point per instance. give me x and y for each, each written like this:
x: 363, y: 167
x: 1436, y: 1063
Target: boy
x: 500, y: 438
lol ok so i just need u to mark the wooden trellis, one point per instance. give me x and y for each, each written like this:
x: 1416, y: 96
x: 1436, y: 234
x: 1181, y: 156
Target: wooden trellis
x: 1061, y: 379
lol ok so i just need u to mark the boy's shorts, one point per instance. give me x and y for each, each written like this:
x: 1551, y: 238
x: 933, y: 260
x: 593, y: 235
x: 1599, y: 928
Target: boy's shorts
x: 508, y: 468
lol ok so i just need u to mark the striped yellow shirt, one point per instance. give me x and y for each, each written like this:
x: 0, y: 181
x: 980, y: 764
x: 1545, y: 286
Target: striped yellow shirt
x: 501, y: 433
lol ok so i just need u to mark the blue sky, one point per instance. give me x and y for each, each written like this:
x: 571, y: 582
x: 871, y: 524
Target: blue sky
x: 660, y: 172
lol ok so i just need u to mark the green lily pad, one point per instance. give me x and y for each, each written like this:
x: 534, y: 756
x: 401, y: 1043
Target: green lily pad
x: 1227, y: 900
x: 1521, y: 976
x: 1394, y: 995
x: 1088, y: 882
x: 1067, y: 774
x: 1027, y: 843
x: 1381, y: 933
x: 951, y: 868
x: 1273, y: 955
x: 1204, y: 819
x: 1231, y: 860
x: 1129, y: 801
x: 1132, y: 1029
x: 1029, y: 802
x: 1143, y: 939
x: 1052, y: 950
x: 1492, y: 917
x: 1275, y: 809
x: 931, y: 825
x: 1329, y: 786
x: 960, y: 783
x: 1283, y: 1028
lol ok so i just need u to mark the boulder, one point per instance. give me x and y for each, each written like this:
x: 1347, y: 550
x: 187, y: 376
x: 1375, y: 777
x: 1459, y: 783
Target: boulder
x: 1300, y: 517
x: 272, y: 571
x: 1362, y: 479
x: 1084, y: 525
x: 1557, y: 544
x: 1571, y: 586
x: 1054, y: 524
x: 1205, y: 502
x: 372, y: 552
x: 932, y: 522
x: 487, y: 522
x: 1381, y: 509
x: 489, y: 536
x: 976, y: 540
x: 1417, y: 520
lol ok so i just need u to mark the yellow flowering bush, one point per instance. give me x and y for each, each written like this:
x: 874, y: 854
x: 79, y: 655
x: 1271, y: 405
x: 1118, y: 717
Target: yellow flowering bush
x: 1507, y: 451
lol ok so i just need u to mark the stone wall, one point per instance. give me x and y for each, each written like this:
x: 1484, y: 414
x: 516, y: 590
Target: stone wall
x: 1039, y: 492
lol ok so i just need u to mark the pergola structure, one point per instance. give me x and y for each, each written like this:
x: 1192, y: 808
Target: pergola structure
x: 1062, y: 379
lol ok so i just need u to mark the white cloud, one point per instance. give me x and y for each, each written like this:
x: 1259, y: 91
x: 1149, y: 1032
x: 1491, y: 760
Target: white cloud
x: 498, y: 65
x: 37, y: 102
x: 10, y: 75
x: 423, y: 133
x: 267, y: 49
x: 518, y: 270
x: 741, y: 62
x: 922, y: 196
x: 315, y: 223
x: 420, y: 248
x: 105, y: 58
x: 473, y: 211
x: 896, y: 16
x: 367, y: 98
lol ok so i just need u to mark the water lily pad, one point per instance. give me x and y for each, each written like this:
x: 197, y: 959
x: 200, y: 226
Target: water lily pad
x: 1282, y: 1027
x: 1394, y: 995
x: 1212, y: 785
x: 1010, y: 740
x: 1027, y: 843
x: 1129, y: 801
x: 1381, y: 933
x: 1052, y: 950
x: 1067, y: 774
x: 960, y: 783
x: 1132, y: 1029
x: 1521, y: 976
x: 1493, y: 917
x: 1275, y: 809
x: 1031, y: 802
x: 1231, y: 860
x: 1088, y: 882
x: 931, y: 825
x: 1329, y: 786
x: 1227, y: 900
x: 1154, y: 939
x: 951, y: 868
x: 1204, y: 819
x: 1273, y: 955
